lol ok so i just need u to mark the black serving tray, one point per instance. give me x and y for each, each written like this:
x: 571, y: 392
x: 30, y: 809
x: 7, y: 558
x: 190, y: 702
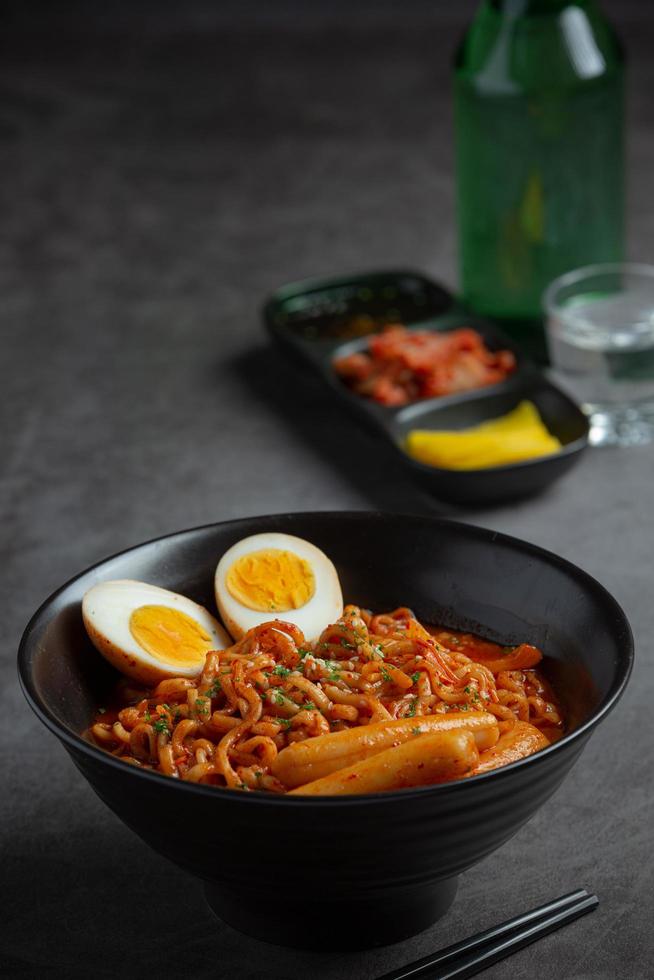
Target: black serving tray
x: 312, y: 319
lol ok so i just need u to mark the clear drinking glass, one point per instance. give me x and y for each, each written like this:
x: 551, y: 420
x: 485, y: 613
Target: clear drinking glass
x: 600, y: 334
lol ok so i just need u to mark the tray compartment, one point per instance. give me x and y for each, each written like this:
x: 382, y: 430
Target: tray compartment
x: 334, y: 310
x: 559, y: 413
x: 493, y: 339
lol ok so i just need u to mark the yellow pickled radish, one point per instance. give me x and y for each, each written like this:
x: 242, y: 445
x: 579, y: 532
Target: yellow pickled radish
x: 519, y: 435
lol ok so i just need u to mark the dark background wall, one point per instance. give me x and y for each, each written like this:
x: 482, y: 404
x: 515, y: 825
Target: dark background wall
x: 106, y: 109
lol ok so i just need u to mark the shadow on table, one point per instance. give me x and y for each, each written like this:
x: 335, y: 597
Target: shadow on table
x: 103, y: 905
x: 325, y: 429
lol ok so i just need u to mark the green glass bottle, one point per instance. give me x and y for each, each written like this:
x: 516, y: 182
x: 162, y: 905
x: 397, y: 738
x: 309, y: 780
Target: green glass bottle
x: 539, y: 133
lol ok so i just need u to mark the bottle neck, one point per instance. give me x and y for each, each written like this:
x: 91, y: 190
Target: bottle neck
x: 525, y: 8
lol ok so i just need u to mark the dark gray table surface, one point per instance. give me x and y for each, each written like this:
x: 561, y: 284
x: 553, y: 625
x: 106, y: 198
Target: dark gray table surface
x: 164, y: 167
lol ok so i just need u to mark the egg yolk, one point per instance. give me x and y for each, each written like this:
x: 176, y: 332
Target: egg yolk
x: 169, y: 635
x: 271, y: 580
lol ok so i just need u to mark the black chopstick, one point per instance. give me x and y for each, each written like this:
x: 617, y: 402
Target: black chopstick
x: 471, y: 955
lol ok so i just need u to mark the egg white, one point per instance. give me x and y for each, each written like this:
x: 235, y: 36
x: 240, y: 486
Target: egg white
x: 323, y: 608
x: 106, y: 611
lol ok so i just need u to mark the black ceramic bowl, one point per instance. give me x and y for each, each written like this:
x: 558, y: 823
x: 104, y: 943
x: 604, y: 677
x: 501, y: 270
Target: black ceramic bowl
x: 355, y: 871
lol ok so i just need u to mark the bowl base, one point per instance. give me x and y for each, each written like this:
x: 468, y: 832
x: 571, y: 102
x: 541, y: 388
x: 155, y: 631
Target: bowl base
x: 339, y: 924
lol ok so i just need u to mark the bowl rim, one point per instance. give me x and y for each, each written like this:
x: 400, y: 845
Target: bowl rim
x: 579, y: 735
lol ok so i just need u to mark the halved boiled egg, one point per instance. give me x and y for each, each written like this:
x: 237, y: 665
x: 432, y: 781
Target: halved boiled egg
x: 277, y: 576
x: 150, y: 633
